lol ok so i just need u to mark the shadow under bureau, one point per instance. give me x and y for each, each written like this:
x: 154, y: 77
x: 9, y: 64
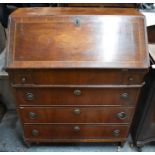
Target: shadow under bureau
x: 76, y: 72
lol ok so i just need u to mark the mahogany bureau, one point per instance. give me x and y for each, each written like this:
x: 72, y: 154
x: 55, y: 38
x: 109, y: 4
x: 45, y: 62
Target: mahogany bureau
x: 76, y: 72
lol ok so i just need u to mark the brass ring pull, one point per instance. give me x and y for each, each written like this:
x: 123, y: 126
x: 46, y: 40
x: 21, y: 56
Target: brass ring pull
x: 76, y: 128
x: 121, y: 115
x: 77, y: 92
x: 23, y: 79
x: 77, y: 111
x: 130, y: 78
x: 125, y: 96
x: 35, y: 132
x: 116, y: 133
x: 29, y: 96
x: 32, y: 115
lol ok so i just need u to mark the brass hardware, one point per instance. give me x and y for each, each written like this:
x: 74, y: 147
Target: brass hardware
x: 121, y: 115
x: 116, y: 133
x: 35, y: 132
x: 77, y: 92
x: 130, y: 79
x: 29, y: 96
x: 32, y: 115
x: 77, y: 22
x: 77, y: 111
x: 124, y: 96
x: 76, y: 128
x: 23, y: 79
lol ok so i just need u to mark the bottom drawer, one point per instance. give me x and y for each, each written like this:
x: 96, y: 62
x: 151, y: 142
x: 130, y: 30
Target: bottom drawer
x: 76, y: 131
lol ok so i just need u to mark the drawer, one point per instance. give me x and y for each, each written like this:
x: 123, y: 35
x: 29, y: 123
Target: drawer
x: 77, y: 76
x: 75, y: 131
x: 76, y: 114
x: 77, y: 96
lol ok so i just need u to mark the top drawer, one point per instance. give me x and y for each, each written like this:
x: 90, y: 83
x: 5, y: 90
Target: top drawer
x: 77, y: 76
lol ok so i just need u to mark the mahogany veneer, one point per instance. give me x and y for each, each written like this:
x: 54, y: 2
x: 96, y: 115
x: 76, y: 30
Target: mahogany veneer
x: 76, y: 72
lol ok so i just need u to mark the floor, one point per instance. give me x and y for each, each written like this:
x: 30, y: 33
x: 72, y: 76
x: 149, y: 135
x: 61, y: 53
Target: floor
x: 11, y: 140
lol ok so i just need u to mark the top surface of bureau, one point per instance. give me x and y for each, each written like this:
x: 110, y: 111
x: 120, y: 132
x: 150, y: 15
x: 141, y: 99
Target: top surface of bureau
x: 77, y: 38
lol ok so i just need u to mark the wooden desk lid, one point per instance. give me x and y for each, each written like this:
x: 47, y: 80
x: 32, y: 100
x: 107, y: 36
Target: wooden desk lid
x: 77, y: 38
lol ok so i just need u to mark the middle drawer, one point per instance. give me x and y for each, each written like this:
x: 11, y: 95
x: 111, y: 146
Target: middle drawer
x: 76, y: 114
x: 77, y: 96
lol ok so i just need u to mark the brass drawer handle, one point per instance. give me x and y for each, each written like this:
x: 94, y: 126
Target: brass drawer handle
x: 76, y: 128
x: 121, y: 115
x: 77, y: 111
x: 130, y: 79
x: 125, y: 96
x: 35, y: 132
x: 32, y: 115
x: 29, y: 96
x: 77, y: 92
x: 116, y: 133
x: 23, y: 79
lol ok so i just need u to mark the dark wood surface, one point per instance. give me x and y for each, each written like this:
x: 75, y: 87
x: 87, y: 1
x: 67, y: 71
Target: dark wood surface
x: 105, y: 38
x: 78, y: 76
x: 105, y: 5
x: 22, y: 12
x: 93, y: 114
x: 151, y: 34
x: 68, y: 132
x: 73, y: 70
x: 66, y: 96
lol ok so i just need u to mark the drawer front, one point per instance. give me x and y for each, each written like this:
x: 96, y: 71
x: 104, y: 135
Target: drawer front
x: 76, y: 96
x: 76, y: 114
x: 78, y: 76
x: 75, y: 131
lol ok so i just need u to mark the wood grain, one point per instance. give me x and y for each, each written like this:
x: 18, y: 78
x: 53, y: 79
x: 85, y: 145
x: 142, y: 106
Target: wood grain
x: 77, y: 38
x: 73, y: 70
x: 67, y: 132
x: 66, y: 96
x: 76, y: 114
x: 77, y: 76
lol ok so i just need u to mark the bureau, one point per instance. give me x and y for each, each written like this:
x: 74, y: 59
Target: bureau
x: 76, y: 73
